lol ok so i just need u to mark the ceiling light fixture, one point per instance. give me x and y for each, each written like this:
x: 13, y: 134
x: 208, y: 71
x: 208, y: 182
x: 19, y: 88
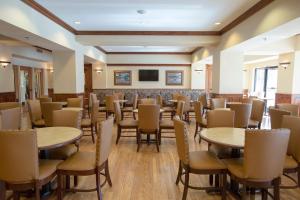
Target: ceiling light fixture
x: 284, y: 64
x: 4, y: 63
x: 141, y: 12
x: 99, y: 70
x: 218, y: 23
x: 198, y: 70
x: 77, y: 22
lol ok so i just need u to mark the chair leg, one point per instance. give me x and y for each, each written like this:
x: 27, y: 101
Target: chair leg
x: 264, y: 194
x: 211, y: 179
x: 244, y: 192
x: 59, y: 187
x: 98, y: 186
x: 298, y: 174
x: 2, y: 190
x: 277, y: 189
x: 196, y: 130
x: 224, y: 183
x: 118, y: 134
x: 139, y: 141
x: 157, y: 140
x: 186, y: 184
x: 107, y: 174
x: 16, y: 195
x: 179, y: 173
x: 133, y: 115
x: 159, y: 136
x: 75, y: 181
x: 37, y: 191
x: 68, y: 182
x: 92, y: 133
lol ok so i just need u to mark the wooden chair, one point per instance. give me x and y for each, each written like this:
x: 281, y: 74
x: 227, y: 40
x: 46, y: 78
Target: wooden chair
x: 293, y: 108
x: 109, y: 102
x: 292, y: 160
x: 21, y: 169
x: 45, y: 99
x: 130, y: 109
x: 148, y: 101
x: 204, y: 102
x: 123, y: 123
x: 47, y: 111
x: 200, y: 120
x: 168, y: 124
x: 242, y: 114
x: 257, y: 113
x: 218, y: 103
x: 148, y: 123
x: 262, y: 166
x: 11, y: 119
x: 75, y: 102
x: 276, y: 117
x: 35, y: 113
x: 196, y: 162
x: 187, y: 106
x: 89, y: 163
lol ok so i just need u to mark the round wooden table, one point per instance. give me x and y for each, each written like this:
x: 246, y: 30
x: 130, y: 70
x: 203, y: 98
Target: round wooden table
x: 54, y: 137
x: 73, y: 108
x: 227, y: 137
x: 137, y: 110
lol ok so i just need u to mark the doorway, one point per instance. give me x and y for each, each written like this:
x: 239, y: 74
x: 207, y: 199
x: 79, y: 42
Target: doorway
x: 88, y: 82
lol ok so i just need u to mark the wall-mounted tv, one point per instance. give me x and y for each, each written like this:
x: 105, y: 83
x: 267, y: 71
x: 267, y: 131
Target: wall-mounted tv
x: 148, y: 75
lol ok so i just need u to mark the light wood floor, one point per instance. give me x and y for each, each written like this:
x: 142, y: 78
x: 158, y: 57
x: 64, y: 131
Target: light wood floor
x: 148, y: 175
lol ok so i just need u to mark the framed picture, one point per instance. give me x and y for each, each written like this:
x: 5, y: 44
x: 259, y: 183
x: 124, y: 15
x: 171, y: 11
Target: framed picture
x: 122, y: 77
x: 174, y: 77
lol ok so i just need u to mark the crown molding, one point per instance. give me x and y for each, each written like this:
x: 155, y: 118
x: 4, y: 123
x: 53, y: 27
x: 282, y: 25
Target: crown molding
x: 147, y: 65
x: 152, y: 53
x: 159, y: 33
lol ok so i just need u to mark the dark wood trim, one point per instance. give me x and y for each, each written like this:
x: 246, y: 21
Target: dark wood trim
x: 8, y: 96
x: 36, y: 6
x: 196, y: 49
x: 167, y: 33
x: 65, y: 96
x: 147, y: 65
x: 153, y: 53
x: 42, y: 48
x: 251, y: 11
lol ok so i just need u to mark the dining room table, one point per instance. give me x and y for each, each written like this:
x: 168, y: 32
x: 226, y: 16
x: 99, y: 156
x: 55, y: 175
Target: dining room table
x: 137, y: 110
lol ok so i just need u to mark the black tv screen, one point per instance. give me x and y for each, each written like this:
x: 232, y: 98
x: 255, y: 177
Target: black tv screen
x: 148, y: 75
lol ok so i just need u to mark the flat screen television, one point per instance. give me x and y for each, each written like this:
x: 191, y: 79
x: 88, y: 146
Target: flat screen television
x: 148, y: 75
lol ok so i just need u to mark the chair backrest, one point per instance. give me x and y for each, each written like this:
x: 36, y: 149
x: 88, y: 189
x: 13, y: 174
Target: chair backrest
x: 293, y: 123
x: 218, y: 103
x: 68, y: 118
x: 19, y: 156
x: 276, y: 117
x: 175, y: 96
x: 118, y: 113
x: 34, y: 109
x: 135, y: 101
x: 47, y: 110
x: 92, y: 99
x: 258, y: 108
x: 109, y: 102
x: 220, y: 118
x: 8, y: 105
x: 293, y: 108
x: 265, y: 152
x: 242, y: 113
x: 159, y: 100
x: 247, y: 100
x: 203, y: 100
x: 148, y: 117
x: 198, y: 111
x: 182, y: 141
x: 180, y: 109
x: 187, y: 102
x: 118, y: 95
x: 11, y: 119
x: 103, y: 144
x: 75, y: 102
x: 45, y: 99
x: 95, y: 111
x: 148, y: 101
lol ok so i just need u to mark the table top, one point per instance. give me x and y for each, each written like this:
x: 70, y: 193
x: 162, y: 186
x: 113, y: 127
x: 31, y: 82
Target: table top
x: 175, y: 101
x: 228, y: 137
x: 222, y: 109
x: 54, y: 137
x: 73, y: 108
x: 137, y: 110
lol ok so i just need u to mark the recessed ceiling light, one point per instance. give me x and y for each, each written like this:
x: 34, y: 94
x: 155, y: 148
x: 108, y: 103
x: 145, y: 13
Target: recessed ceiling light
x: 77, y: 22
x: 141, y: 12
x: 218, y: 23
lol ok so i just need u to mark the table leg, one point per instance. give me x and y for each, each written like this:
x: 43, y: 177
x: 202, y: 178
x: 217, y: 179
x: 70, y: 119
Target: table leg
x: 46, y: 189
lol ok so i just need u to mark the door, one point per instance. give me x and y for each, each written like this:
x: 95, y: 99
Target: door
x: 88, y: 82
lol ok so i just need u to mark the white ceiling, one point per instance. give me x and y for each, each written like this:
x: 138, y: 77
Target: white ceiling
x: 147, y: 48
x: 161, y: 15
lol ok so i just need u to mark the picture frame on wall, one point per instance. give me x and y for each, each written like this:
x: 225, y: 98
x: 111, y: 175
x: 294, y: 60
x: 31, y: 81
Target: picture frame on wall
x: 122, y: 77
x: 174, y: 77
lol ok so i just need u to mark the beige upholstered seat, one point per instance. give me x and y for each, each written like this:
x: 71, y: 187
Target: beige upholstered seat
x: 148, y: 122
x: 130, y: 109
x: 123, y: 123
x: 35, y: 113
x: 257, y: 113
x: 187, y: 106
x: 109, y: 103
x: 47, y: 111
x: 75, y: 102
x: 204, y: 102
x: 11, y: 119
x: 148, y: 101
x: 20, y: 168
x: 242, y: 114
x: 197, y: 162
x: 292, y: 161
x: 119, y: 96
x: 218, y: 103
x: 200, y: 121
x: 90, y: 163
x: 293, y: 108
x: 8, y: 105
x: 264, y: 157
x: 276, y: 117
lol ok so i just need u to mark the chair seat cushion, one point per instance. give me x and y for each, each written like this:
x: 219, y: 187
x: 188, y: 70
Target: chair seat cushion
x: 127, y: 109
x: 80, y: 161
x: 253, y: 123
x: 166, y: 123
x: 86, y: 122
x: 290, y: 163
x: 129, y: 123
x: 47, y: 167
x: 203, y: 160
x: 62, y: 153
x: 39, y: 122
x: 235, y: 167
